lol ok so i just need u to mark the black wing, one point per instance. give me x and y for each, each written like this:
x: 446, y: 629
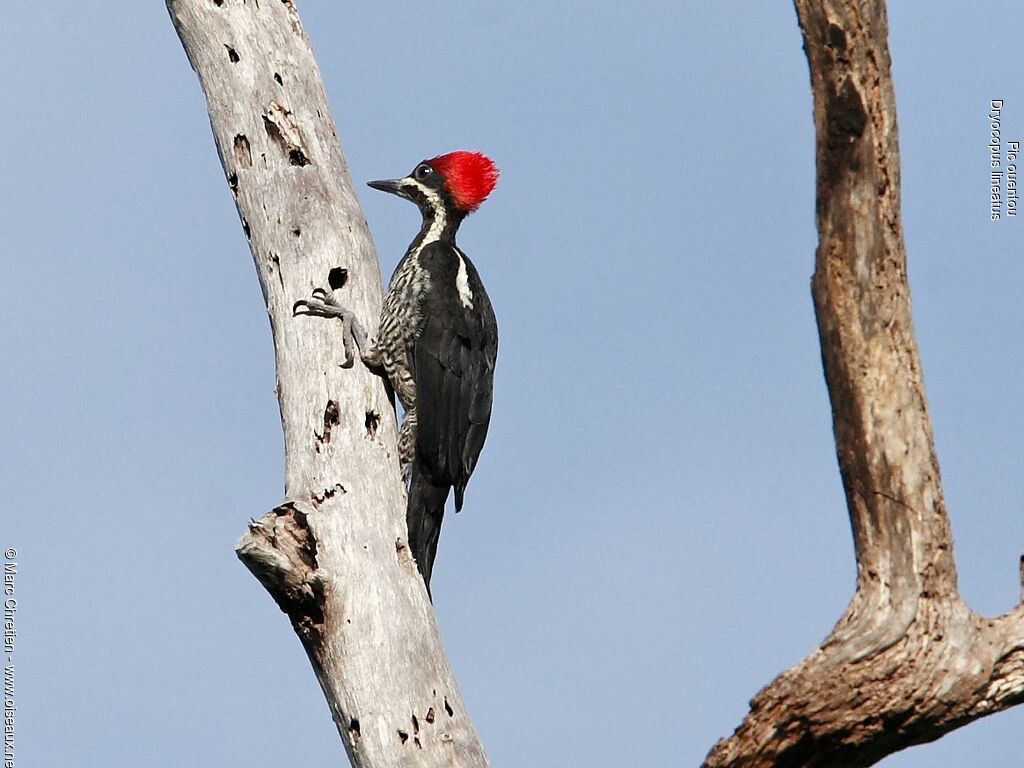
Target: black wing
x: 454, y: 359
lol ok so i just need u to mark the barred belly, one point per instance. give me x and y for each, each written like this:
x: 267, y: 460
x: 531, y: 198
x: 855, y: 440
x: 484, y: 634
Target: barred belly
x: 401, y: 323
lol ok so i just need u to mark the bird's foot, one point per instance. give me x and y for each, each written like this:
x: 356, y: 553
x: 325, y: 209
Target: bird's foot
x: 322, y: 304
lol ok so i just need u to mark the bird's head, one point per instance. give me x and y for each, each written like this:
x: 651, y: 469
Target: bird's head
x: 457, y: 183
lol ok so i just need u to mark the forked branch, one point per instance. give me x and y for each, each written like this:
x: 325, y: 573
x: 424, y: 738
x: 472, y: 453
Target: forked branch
x: 908, y: 661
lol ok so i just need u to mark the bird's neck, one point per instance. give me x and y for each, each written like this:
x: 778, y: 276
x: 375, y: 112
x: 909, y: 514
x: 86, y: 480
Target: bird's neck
x: 440, y: 224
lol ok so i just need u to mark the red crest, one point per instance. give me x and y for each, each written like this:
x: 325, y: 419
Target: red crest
x: 469, y: 177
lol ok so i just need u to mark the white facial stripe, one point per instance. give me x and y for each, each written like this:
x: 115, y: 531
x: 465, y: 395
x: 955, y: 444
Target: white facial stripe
x: 436, y: 228
x: 440, y: 220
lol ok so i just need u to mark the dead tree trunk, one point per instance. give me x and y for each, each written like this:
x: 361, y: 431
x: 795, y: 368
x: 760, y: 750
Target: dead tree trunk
x: 333, y: 552
x: 908, y: 661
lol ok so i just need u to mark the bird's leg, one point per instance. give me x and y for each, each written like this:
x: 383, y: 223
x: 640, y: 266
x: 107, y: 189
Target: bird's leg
x: 353, y: 335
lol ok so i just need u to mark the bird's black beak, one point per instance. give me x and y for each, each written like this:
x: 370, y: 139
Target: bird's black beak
x: 394, y: 186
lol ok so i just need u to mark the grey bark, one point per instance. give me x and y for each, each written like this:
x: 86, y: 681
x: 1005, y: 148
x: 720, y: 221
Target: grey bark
x: 908, y: 661
x: 333, y: 552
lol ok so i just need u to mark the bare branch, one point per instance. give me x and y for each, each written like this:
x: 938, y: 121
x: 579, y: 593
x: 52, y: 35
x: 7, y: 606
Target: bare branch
x: 908, y: 661
x: 333, y: 554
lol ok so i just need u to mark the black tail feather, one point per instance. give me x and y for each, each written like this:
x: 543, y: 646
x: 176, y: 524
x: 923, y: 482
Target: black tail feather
x: 423, y: 518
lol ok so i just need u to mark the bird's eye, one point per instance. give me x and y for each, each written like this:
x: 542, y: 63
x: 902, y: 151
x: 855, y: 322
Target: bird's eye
x: 423, y: 171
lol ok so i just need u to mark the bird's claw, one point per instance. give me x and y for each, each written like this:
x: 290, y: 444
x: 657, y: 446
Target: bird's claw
x: 322, y: 304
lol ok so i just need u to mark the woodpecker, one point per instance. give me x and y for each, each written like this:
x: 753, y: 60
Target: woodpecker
x: 437, y: 342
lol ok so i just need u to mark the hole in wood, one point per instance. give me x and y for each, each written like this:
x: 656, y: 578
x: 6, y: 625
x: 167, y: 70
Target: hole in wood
x: 337, y: 278
x: 243, y: 153
x: 372, y: 422
x: 294, y: 153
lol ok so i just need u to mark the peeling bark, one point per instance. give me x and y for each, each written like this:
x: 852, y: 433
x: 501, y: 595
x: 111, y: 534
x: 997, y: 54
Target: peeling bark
x: 332, y: 554
x: 908, y: 661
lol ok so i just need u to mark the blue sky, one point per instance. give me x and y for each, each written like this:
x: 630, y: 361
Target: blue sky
x: 656, y: 527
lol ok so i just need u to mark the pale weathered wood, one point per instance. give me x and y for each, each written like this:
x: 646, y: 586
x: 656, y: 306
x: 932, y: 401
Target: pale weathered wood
x: 908, y: 661
x: 333, y: 552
